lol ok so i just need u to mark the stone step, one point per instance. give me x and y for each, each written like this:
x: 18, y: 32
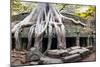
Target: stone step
x: 75, y: 47
x: 71, y: 58
x: 80, y: 51
x: 57, y: 53
x: 49, y: 60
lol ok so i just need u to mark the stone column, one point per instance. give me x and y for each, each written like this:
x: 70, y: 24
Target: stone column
x: 94, y: 40
x: 88, y: 41
x: 78, y: 40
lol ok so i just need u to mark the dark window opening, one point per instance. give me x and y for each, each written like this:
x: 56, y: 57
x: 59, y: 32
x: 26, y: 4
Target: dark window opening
x: 70, y: 41
x: 54, y: 43
x: 83, y: 41
x: 24, y: 42
x: 44, y: 44
x: 13, y: 43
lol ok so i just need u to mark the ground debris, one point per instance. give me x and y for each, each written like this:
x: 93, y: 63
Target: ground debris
x: 18, y: 57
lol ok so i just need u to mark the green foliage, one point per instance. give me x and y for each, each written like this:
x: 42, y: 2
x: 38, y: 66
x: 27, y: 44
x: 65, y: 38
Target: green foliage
x: 89, y: 11
x: 60, y: 6
x: 20, y: 7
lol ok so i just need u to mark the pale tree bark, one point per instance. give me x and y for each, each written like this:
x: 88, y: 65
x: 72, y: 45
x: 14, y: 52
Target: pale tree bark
x: 17, y: 38
x: 42, y: 18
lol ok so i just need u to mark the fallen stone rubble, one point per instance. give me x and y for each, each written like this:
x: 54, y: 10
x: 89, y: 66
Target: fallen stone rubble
x: 68, y: 55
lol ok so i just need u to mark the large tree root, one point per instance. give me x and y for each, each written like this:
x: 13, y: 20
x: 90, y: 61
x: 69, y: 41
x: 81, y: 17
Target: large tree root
x: 44, y: 20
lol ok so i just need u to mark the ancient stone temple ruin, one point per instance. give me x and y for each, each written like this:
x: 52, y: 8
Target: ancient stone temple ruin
x: 47, y: 36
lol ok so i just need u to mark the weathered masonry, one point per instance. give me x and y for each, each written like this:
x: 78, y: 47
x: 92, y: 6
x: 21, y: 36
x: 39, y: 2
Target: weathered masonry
x: 76, y: 35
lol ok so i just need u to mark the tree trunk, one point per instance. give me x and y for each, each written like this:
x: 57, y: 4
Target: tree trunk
x: 43, y: 17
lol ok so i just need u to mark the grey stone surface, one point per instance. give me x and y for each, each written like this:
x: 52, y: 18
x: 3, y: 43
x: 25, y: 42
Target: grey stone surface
x: 57, y: 53
x: 82, y: 50
x: 33, y: 63
x: 71, y: 58
x: 32, y: 55
x: 48, y: 60
x: 75, y: 47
